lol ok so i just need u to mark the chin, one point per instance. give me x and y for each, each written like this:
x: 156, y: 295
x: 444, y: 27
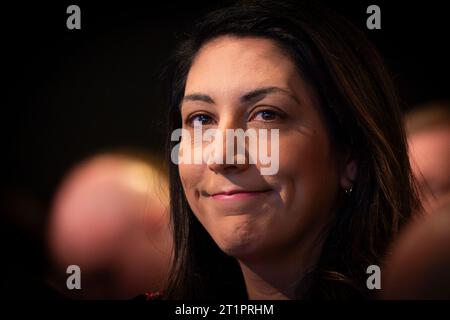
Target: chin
x: 239, y: 243
x: 241, y: 252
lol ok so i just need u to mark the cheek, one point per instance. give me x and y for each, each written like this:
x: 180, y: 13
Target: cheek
x: 302, y: 155
x: 191, y: 176
x: 308, y: 171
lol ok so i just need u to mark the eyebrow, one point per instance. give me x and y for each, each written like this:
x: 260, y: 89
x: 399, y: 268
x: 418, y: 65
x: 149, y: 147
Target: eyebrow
x: 261, y: 93
x: 249, y: 97
x: 198, y: 97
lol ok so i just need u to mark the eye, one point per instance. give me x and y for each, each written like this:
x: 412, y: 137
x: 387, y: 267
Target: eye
x: 199, y: 119
x: 266, y: 115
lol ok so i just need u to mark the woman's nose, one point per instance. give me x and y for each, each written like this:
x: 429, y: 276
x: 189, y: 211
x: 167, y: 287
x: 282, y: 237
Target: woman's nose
x: 229, y: 152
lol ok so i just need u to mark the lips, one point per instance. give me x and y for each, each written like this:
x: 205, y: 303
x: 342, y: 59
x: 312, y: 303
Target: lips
x: 237, y: 194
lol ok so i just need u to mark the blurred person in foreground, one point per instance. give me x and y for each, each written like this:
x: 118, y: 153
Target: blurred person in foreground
x: 110, y: 218
x: 428, y: 131
x: 419, y: 263
x: 418, y: 267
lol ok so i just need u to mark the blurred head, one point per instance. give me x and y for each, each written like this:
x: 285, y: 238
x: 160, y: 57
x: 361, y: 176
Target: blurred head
x: 110, y: 218
x: 428, y: 129
x: 418, y: 265
x: 323, y: 86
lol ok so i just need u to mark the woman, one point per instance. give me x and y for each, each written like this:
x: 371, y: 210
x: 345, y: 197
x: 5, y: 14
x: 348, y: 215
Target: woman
x: 343, y: 188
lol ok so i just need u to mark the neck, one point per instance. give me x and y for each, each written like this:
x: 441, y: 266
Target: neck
x: 282, y: 276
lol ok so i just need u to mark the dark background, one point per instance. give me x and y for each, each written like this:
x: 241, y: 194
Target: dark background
x: 71, y: 93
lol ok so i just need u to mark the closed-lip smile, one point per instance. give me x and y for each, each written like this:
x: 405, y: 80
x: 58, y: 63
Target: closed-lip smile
x: 236, y: 194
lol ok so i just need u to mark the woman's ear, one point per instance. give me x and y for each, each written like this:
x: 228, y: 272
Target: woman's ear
x: 348, y: 174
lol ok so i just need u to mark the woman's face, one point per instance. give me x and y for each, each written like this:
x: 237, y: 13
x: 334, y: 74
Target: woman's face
x: 250, y: 83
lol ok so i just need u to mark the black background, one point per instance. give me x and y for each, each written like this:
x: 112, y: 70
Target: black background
x: 70, y: 93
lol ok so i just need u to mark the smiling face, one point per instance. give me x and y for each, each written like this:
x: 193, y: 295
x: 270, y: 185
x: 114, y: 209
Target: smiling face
x: 250, y: 83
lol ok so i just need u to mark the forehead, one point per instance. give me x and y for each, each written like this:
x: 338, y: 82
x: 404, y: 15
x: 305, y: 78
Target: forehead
x: 230, y: 63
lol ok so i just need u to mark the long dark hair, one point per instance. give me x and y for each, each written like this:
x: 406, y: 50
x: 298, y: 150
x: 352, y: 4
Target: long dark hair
x: 363, y: 118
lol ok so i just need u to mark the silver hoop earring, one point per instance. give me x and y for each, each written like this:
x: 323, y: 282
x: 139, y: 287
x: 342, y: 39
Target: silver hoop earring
x: 349, y: 190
